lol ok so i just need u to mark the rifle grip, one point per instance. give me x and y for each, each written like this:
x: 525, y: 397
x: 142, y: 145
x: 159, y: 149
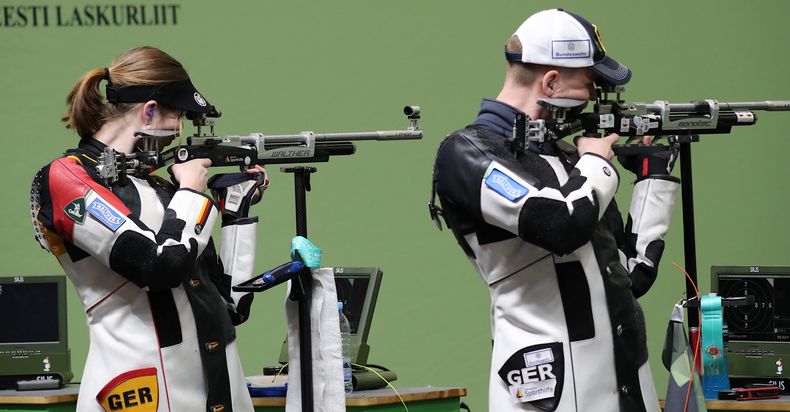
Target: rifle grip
x: 220, y: 155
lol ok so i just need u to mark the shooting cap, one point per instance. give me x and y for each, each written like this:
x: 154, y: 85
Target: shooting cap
x: 180, y: 95
x: 559, y: 38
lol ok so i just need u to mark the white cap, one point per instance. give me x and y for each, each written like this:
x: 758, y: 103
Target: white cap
x: 560, y: 38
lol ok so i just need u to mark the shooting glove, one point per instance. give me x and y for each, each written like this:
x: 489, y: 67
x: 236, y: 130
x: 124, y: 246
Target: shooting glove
x: 236, y: 192
x: 655, y: 164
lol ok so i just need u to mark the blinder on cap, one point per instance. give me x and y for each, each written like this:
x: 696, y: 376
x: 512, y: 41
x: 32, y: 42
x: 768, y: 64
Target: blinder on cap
x: 179, y: 95
x: 606, y: 68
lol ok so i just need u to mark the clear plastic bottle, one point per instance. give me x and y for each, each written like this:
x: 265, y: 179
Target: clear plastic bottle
x: 345, y: 339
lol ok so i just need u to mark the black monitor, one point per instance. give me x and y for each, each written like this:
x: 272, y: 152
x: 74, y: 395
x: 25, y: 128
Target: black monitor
x: 358, y: 289
x: 33, y: 330
x: 768, y: 318
x: 758, y: 333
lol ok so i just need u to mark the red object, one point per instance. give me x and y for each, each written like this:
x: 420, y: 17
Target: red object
x: 694, y: 341
x: 763, y: 392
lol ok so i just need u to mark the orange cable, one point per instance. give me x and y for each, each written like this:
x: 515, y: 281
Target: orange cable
x: 696, y: 347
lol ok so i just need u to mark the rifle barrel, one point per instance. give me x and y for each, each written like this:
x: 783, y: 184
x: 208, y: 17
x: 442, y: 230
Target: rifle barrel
x: 347, y: 137
x: 768, y: 105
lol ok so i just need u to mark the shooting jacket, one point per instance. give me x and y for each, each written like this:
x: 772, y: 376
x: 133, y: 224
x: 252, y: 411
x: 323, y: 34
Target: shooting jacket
x: 157, y: 297
x: 543, y: 231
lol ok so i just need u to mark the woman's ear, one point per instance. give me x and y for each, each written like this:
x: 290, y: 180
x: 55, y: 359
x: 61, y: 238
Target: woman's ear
x: 148, y: 111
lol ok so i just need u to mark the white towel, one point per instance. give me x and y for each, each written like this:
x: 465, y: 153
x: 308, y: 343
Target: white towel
x: 328, y: 390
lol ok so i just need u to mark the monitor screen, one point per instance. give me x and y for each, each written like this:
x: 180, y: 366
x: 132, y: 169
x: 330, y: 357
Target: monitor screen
x: 768, y: 318
x: 358, y: 289
x: 33, y: 330
x: 35, y: 309
x: 352, y: 291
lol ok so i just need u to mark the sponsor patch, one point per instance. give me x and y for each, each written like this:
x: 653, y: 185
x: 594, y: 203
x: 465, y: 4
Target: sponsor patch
x: 505, y: 186
x: 535, y: 374
x: 538, y: 357
x: 625, y: 124
x: 182, y: 154
x: 75, y: 210
x: 134, y: 391
x: 533, y: 391
x: 570, y: 49
x: 605, y: 121
x: 105, y: 214
x: 200, y: 100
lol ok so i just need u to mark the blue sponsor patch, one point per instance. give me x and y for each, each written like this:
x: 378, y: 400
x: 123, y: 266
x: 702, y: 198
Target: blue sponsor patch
x: 505, y: 186
x: 105, y: 214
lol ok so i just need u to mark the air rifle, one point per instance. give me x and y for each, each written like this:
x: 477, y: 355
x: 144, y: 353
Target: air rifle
x: 676, y: 122
x: 243, y: 151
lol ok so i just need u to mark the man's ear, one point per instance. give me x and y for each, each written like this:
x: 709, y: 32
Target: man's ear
x: 548, y: 82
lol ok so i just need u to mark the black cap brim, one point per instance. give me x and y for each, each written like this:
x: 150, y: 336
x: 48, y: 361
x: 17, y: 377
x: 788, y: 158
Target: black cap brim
x: 611, y: 71
x: 180, y: 95
x: 183, y: 95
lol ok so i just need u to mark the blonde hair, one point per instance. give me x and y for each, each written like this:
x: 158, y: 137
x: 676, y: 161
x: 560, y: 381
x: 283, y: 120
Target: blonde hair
x: 142, y: 66
x: 523, y: 73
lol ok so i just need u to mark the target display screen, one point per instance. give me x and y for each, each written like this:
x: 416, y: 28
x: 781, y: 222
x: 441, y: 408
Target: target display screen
x: 768, y: 319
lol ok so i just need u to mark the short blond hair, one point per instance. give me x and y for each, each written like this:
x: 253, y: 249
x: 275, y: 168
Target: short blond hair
x: 523, y: 73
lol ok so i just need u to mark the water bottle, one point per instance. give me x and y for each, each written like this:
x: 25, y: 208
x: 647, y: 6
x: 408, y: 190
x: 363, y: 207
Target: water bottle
x: 345, y: 339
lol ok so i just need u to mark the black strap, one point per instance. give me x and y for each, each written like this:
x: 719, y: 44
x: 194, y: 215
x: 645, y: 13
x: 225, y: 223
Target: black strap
x: 512, y: 56
x: 132, y: 94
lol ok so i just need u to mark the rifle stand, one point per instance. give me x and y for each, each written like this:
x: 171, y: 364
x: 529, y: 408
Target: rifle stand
x: 302, y: 286
x: 689, y: 239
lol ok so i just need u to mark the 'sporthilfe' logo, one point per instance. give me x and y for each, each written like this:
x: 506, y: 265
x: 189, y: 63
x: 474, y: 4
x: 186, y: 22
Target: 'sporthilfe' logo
x: 105, y: 214
x: 200, y: 100
x: 505, y: 185
x: 75, y: 210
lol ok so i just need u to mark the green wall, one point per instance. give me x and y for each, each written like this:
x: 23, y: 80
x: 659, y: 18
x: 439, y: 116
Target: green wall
x: 280, y: 67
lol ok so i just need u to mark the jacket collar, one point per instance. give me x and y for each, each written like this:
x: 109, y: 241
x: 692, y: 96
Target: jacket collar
x: 499, y: 117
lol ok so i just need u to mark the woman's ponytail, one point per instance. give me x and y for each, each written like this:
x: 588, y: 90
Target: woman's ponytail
x: 85, y: 111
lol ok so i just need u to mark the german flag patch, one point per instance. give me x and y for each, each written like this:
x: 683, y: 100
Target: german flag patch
x: 205, y: 211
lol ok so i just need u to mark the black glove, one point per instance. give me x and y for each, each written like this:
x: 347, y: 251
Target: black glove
x: 658, y: 163
x: 236, y: 192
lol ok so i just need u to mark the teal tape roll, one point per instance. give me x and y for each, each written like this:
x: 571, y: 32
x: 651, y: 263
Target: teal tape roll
x: 714, y: 362
x: 304, y: 250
